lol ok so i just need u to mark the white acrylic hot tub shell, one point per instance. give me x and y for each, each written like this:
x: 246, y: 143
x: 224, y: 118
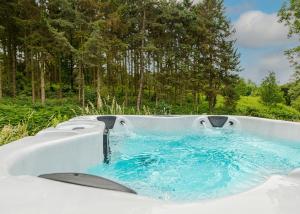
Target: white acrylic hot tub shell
x: 63, y: 149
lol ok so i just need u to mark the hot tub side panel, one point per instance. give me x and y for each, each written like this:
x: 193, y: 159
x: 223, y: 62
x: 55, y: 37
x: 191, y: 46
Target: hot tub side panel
x: 72, y: 154
x: 276, y: 129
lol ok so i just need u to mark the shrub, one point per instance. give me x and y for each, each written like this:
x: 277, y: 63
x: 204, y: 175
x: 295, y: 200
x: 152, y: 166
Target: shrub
x: 244, y: 88
x: 251, y: 106
x: 294, y: 91
x: 270, y: 92
x: 296, y: 103
x: 163, y: 108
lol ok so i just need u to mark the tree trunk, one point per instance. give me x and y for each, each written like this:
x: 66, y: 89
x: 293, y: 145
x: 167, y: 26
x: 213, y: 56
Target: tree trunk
x: 135, y: 71
x: 126, y: 81
x: 59, y: 79
x: 81, y: 94
x: 14, y: 87
x: 82, y: 88
x: 1, y: 66
x: 211, y: 102
x: 5, y: 65
x: 43, y: 83
x: 142, y: 62
x: 79, y: 83
x: 72, y: 73
x: 71, y: 63
x: 98, y: 85
x: 32, y: 67
x: 109, y: 73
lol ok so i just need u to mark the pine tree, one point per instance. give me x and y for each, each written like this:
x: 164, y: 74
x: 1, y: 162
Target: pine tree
x: 163, y: 51
x: 219, y: 59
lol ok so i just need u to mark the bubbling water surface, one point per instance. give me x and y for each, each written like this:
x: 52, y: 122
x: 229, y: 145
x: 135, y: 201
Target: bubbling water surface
x: 195, y: 166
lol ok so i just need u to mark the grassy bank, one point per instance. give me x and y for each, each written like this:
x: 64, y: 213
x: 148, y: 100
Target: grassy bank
x: 252, y: 106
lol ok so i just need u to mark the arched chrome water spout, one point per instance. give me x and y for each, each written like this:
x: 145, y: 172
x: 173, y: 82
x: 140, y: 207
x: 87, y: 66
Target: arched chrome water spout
x: 203, y: 123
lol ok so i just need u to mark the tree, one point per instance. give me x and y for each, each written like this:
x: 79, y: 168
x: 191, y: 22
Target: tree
x: 10, y: 40
x: 219, y: 58
x: 269, y: 91
x: 94, y: 55
x: 231, y: 98
x: 289, y: 14
x: 170, y: 52
x: 140, y: 25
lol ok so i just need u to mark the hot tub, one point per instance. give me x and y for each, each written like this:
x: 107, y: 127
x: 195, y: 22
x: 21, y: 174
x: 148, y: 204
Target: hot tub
x: 154, y: 164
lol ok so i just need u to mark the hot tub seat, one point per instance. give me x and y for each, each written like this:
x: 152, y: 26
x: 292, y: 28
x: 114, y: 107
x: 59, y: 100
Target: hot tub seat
x: 88, y: 181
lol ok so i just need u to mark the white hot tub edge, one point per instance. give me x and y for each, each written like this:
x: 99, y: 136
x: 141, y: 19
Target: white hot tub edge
x: 81, y: 140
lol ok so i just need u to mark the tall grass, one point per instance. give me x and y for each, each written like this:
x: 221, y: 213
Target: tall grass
x: 36, y: 120
x: 11, y: 133
x: 109, y: 106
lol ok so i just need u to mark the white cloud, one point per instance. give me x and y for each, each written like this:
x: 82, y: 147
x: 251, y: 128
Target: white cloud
x: 257, y: 29
x: 276, y: 62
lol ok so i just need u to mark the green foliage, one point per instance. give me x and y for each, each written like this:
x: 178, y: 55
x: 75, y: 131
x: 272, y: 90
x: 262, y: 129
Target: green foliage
x: 296, y: 104
x: 270, y: 92
x: 231, y: 98
x: 226, y: 60
x: 35, y: 116
x: 21, y: 118
x: 290, y: 15
x: 294, y: 91
x: 118, y: 48
x: 286, y: 93
x: 244, y: 88
x: 251, y: 106
x: 163, y: 109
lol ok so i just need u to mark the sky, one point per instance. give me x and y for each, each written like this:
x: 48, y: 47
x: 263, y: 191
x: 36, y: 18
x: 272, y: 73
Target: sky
x: 261, y: 39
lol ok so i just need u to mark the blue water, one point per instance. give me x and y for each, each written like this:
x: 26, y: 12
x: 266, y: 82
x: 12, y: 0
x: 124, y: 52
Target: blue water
x: 195, y: 166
